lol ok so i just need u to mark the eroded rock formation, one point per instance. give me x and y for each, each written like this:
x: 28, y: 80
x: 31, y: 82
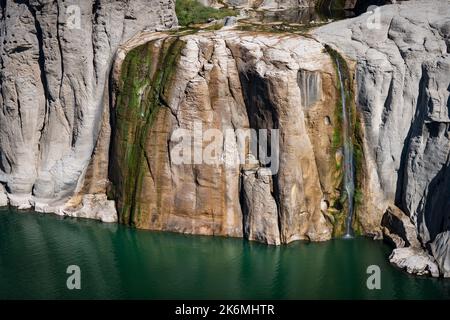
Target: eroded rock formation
x: 57, y: 91
x: 54, y: 121
x: 402, y: 84
x: 358, y: 5
x: 261, y: 4
x: 225, y: 81
x: 408, y: 253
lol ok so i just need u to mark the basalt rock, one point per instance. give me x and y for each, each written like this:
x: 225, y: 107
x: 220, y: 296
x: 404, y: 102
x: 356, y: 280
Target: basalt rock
x: 402, y: 66
x: 54, y: 101
x: 398, y: 228
x: 224, y: 81
x: 409, y: 255
x: 3, y: 197
x: 439, y: 248
x: 414, y: 261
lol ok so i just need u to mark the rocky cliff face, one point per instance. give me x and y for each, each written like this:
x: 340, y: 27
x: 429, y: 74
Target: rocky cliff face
x: 57, y: 91
x: 225, y: 81
x: 54, y: 119
x: 359, y: 5
x: 402, y: 76
x: 261, y: 4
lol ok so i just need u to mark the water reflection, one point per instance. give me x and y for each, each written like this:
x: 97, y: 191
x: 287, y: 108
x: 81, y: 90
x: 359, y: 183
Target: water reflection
x: 119, y: 262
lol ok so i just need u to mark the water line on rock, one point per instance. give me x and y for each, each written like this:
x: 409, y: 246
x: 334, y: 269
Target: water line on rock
x: 349, y: 168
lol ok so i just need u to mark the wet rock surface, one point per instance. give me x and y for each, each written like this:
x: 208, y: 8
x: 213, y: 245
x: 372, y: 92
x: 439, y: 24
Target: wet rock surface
x: 402, y: 66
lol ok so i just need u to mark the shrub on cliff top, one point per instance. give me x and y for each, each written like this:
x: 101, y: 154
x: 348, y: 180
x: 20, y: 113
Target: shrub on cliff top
x: 192, y: 12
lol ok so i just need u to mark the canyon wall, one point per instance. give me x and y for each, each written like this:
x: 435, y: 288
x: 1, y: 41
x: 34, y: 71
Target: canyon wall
x: 56, y: 58
x: 402, y: 83
x: 326, y: 5
x: 58, y: 88
x: 230, y: 79
x: 225, y: 81
x: 261, y: 4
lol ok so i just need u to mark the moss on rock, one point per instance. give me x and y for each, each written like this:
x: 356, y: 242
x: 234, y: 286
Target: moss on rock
x: 144, y: 87
x: 340, y: 204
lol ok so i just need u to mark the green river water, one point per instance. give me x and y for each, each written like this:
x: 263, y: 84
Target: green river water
x: 118, y: 262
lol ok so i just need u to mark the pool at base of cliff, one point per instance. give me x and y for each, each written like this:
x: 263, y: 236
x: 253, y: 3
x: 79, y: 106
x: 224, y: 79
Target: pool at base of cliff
x: 117, y: 262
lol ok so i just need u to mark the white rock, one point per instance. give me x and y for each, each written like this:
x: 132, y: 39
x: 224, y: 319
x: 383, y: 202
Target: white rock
x: 414, y: 261
x: 324, y: 205
x: 402, y: 77
x: 3, y: 197
x: 46, y: 153
x: 441, y: 251
x: 21, y: 201
x: 96, y: 207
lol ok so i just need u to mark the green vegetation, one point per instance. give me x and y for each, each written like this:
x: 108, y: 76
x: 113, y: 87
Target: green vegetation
x: 358, y: 154
x: 337, y: 141
x: 339, y: 223
x: 192, y: 12
x: 145, y: 84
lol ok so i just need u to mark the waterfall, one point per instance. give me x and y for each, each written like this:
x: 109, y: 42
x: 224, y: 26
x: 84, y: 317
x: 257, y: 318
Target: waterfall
x: 349, y: 168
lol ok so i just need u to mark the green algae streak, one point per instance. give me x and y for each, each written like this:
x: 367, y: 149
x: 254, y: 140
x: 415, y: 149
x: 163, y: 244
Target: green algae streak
x: 144, y: 87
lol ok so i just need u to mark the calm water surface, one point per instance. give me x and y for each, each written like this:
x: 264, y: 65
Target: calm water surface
x: 120, y: 262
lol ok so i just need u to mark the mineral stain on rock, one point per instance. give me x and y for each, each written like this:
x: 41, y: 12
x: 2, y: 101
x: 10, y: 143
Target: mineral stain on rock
x: 217, y: 81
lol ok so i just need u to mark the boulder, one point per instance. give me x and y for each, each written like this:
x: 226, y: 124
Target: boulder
x: 414, y: 261
x: 259, y: 207
x: 398, y: 228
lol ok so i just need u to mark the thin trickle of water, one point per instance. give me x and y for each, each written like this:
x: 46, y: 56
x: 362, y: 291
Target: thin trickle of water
x: 349, y: 168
